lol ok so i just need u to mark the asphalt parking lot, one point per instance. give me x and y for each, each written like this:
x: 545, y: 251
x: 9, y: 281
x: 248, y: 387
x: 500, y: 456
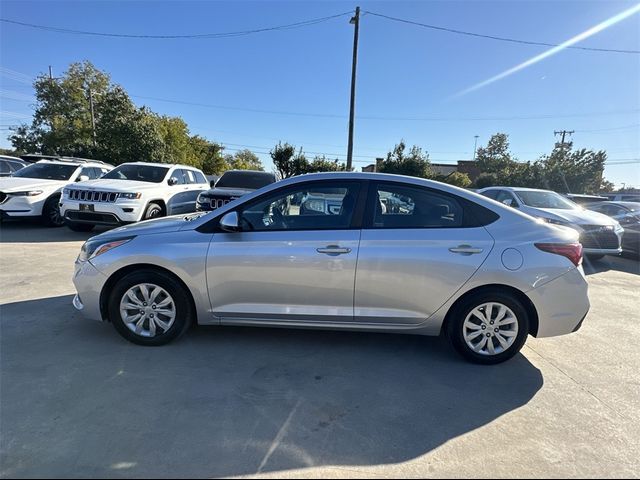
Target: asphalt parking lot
x: 76, y: 400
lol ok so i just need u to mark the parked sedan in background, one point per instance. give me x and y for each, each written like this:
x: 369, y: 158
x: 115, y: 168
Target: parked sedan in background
x: 449, y: 261
x: 584, y: 200
x: 233, y: 184
x: 10, y: 165
x: 600, y: 235
x: 628, y: 215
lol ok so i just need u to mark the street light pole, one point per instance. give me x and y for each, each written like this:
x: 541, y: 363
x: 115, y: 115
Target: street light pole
x: 475, y: 147
x: 355, y: 20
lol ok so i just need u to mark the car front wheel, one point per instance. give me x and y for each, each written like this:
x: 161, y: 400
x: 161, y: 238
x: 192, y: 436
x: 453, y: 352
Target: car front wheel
x: 51, y: 212
x: 489, y: 327
x: 150, y: 308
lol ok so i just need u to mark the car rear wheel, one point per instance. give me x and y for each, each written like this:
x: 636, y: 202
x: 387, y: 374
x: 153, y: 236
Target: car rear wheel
x: 79, y: 227
x: 51, y: 212
x: 150, y: 308
x: 153, y: 211
x: 488, y: 327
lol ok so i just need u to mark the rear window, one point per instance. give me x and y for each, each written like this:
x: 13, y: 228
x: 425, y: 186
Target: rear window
x: 248, y: 180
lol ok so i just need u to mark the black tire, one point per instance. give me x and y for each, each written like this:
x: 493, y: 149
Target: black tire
x: 51, y: 212
x: 457, y: 317
x: 184, y: 313
x: 153, y: 211
x: 79, y: 227
x: 594, y: 258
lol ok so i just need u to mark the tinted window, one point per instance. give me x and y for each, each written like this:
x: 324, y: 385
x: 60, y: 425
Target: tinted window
x: 89, y: 172
x: 507, y: 198
x: 542, y: 199
x: 200, y: 178
x: 15, y: 166
x: 47, y: 171
x: 313, y: 207
x: 399, y: 206
x: 491, y: 193
x: 140, y: 173
x: 4, y: 167
x: 189, y: 176
x: 246, y: 179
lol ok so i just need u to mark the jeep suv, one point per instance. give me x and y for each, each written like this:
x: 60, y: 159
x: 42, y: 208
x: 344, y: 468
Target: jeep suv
x: 233, y: 184
x: 132, y: 192
x: 34, y: 191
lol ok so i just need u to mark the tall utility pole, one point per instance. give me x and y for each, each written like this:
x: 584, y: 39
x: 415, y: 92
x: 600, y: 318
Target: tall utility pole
x: 93, y: 118
x: 475, y: 147
x: 562, y: 134
x: 50, y: 73
x: 355, y: 20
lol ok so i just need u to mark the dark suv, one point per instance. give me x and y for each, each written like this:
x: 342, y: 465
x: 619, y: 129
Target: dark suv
x: 233, y: 184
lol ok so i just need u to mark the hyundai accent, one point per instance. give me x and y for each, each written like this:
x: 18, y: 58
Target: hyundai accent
x: 392, y: 254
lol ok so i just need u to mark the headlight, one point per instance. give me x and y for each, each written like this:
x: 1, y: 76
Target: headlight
x: 201, y: 198
x: 130, y: 196
x: 97, y: 246
x: 29, y: 193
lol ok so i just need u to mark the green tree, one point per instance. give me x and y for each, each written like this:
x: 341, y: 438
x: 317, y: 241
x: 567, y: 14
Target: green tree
x: 415, y: 163
x: 573, y: 171
x: 323, y: 164
x: 244, y: 160
x: 62, y: 119
x: 210, y: 155
x: 456, y: 178
x: 287, y: 162
x: 485, y: 180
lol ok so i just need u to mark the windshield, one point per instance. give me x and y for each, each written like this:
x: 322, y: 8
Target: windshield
x: 47, y: 171
x: 139, y: 173
x: 539, y: 199
x: 248, y: 180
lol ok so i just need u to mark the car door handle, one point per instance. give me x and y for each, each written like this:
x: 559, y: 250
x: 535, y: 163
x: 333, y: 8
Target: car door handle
x: 333, y: 250
x: 465, y: 250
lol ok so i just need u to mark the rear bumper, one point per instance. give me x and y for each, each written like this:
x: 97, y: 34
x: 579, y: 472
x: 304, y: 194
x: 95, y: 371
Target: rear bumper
x: 562, y: 304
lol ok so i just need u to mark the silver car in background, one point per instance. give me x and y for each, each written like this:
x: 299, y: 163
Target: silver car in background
x: 600, y: 235
x: 446, y: 260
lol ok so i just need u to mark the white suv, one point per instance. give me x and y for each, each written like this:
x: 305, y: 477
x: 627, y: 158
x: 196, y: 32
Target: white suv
x: 34, y: 191
x: 132, y: 192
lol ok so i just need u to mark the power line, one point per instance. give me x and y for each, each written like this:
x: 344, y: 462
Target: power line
x: 240, y: 33
x: 635, y: 125
x: 493, y: 37
x: 392, y: 118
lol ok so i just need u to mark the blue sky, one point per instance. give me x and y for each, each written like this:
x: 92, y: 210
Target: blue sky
x: 405, y: 73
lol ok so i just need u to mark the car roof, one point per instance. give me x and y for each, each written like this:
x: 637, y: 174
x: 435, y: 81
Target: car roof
x: 158, y: 164
x: 516, y: 189
x: 84, y: 163
x: 12, y: 159
x: 261, y: 172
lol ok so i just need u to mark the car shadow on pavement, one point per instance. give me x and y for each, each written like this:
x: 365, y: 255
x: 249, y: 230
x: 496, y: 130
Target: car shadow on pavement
x: 609, y: 262
x: 30, y: 231
x: 77, y: 400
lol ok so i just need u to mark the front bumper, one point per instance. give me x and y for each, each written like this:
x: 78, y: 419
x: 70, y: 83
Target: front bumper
x: 88, y: 282
x: 117, y: 213
x: 562, y: 304
x: 16, y: 207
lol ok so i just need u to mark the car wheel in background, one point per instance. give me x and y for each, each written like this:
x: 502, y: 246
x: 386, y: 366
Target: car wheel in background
x: 51, y: 212
x: 79, y: 227
x: 488, y: 327
x: 150, y: 308
x: 153, y: 211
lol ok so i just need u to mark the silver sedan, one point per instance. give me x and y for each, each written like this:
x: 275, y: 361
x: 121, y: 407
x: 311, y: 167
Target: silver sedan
x: 343, y: 251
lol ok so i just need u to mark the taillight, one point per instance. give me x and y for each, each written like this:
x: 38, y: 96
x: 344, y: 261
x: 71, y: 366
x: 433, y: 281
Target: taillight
x: 573, y: 251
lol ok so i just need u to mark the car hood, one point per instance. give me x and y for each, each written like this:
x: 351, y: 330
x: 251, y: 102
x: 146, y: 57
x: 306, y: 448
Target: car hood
x: 227, y: 192
x: 20, y: 184
x: 158, y: 225
x: 576, y: 217
x: 118, y: 185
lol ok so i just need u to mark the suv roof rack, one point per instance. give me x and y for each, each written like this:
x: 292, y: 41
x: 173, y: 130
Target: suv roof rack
x: 34, y: 157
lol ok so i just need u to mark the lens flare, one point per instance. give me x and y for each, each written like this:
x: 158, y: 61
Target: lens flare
x: 552, y: 51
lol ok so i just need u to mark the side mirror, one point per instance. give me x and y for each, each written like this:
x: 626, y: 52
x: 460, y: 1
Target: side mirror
x: 82, y: 178
x: 212, y: 183
x: 230, y: 222
x: 172, y: 181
